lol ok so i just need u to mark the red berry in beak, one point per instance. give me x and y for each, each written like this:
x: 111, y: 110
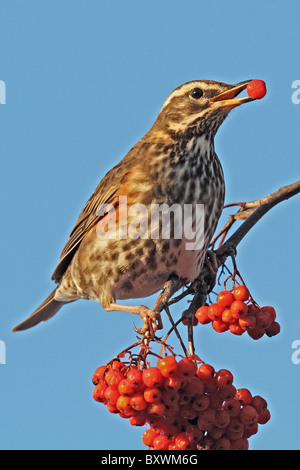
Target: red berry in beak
x: 256, y: 89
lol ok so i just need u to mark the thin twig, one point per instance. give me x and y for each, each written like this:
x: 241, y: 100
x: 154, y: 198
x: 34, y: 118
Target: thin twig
x: 191, y: 336
x: 247, y: 209
x: 176, y: 330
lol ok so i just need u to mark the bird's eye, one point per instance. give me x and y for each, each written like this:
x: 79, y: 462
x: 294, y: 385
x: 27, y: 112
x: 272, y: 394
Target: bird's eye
x: 196, y: 93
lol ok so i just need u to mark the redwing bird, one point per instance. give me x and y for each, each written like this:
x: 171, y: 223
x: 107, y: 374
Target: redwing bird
x: 174, y: 163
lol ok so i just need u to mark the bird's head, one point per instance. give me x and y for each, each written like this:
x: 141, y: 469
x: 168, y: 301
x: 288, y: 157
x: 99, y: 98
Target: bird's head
x: 201, y: 103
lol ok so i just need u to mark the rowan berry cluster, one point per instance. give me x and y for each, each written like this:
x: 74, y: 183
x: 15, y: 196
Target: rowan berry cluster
x: 236, y: 312
x: 187, y: 405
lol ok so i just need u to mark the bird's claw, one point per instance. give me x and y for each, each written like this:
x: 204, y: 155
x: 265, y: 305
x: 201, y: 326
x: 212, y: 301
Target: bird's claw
x: 228, y: 248
x: 151, y: 322
x: 211, y: 262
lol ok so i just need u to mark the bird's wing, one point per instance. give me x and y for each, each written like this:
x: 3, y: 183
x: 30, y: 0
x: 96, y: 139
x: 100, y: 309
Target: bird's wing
x: 107, y: 192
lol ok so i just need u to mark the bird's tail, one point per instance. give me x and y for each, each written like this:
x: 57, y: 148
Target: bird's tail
x: 46, y: 310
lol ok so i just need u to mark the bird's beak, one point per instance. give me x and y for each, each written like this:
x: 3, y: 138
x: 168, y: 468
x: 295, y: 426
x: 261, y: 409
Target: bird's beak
x: 228, y: 97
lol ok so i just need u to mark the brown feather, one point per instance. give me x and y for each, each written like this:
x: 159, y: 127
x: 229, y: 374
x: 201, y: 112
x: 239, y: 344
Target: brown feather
x: 105, y: 193
x: 45, y: 311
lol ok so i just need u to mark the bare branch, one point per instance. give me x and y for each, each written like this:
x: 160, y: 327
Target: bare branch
x: 257, y: 209
x: 260, y: 207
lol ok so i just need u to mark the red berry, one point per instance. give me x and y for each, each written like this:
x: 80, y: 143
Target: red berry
x: 215, y: 401
x: 215, y: 432
x: 113, y: 377
x: 206, y: 419
x: 236, y: 329
x: 172, y: 383
x: 256, y: 333
x: 112, y: 408
x: 111, y: 394
x: 170, y: 397
x: 241, y: 293
x: 168, y: 365
x: 264, y: 319
x: 273, y: 330
x: 233, y: 407
x: 248, y: 414
x: 244, y: 396
x: 99, y: 393
x: 215, y: 311
x: 181, y: 441
x: 248, y: 322
x: 193, y: 433
x: 256, y: 89
x: 156, y: 409
x: 201, y: 403
x: 187, y: 367
x: 152, y: 377
x: 271, y: 310
x: 118, y: 365
x: 152, y: 394
x: 250, y: 429
x: 225, y: 298
x: 161, y: 442
x: 202, y: 315
x: 171, y: 411
x: 170, y: 431
x: 210, y: 386
x: 259, y: 404
x: 220, y: 326
x: 227, y: 393
x: 239, y: 444
x: 223, y: 444
x: 187, y: 412
x: 227, y: 316
x: 126, y: 388
x: 235, y: 428
x: 98, y: 375
x: 158, y: 425
x: 224, y: 378
x: 194, y: 387
x: 239, y: 309
x: 137, y: 420
x: 123, y: 404
x: 264, y: 417
x: 138, y: 402
x: 135, y: 377
x: 205, y: 372
x: 222, y: 418
x: 253, y: 309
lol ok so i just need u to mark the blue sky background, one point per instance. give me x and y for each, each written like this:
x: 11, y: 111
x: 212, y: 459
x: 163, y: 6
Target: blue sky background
x: 85, y: 81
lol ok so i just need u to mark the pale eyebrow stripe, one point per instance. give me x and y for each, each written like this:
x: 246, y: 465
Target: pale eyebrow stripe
x: 183, y: 89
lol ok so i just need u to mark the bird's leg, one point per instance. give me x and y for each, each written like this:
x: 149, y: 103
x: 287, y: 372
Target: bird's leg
x: 151, y: 318
x: 170, y: 287
x: 213, y: 260
x: 150, y: 322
